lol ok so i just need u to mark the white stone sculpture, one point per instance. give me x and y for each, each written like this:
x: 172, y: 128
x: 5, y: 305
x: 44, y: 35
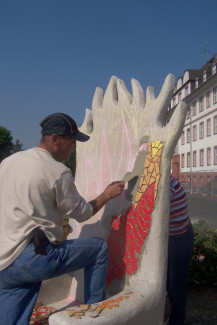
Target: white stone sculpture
x: 128, y: 140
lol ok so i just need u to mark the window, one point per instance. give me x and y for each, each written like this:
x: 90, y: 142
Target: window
x: 188, y: 135
x: 194, y: 132
x: 208, y: 156
x: 214, y: 68
x: 194, y: 158
x: 215, y: 95
x: 188, y: 113
x: 208, y: 99
x: 186, y: 91
x: 188, y: 159
x: 201, y: 106
x: 201, y: 157
x: 183, y: 160
x: 194, y: 109
x: 208, y: 127
x: 215, y: 155
x: 179, y: 97
x: 204, y: 75
x: 215, y: 124
x: 201, y: 130
x: 183, y: 138
x: 174, y: 101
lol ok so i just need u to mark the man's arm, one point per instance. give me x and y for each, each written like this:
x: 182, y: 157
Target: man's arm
x: 111, y: 191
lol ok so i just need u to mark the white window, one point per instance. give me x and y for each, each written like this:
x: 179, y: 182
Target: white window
x: 204, y: 75
x: 194, y: 132
x: 194, y: 109
x: 208, y: 127
x: 188, y: 114
x: 215, y: 95
x: 201, y: 105
x: 183, y: 160
x: 215, y: 155
x: 208, y: 156
x: 215, y: 124
x: 183, y: 138
x: 201, y: 157
x: 201, y: 130
x: 188, y: 159
x: 214, y: 68
x: 208, y: 99
x: 194, y: 158
x: 188, y: 135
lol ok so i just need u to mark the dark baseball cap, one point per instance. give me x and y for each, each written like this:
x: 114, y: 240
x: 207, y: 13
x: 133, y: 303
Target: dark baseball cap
x: 62, y: 124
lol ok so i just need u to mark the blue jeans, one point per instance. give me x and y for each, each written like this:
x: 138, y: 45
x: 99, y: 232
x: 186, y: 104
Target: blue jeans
x: 180, y: 249
x: 21, y: 281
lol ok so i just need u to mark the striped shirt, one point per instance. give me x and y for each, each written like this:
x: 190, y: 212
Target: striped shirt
x: 179, y: 220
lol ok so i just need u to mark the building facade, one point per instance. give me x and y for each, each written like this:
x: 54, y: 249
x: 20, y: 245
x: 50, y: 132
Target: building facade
x: 195, y: 159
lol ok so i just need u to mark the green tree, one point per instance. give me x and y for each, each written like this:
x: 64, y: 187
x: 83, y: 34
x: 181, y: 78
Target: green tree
x: 17, y: 146
x: 71, y: 162
x: 6, y: 144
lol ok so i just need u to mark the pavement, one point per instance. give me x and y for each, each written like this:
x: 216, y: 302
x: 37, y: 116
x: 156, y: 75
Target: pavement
x: 203, y: 207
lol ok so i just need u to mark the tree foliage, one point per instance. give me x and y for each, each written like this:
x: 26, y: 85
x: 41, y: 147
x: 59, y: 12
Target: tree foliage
x: 17, y: 146
x: 71, y: 162
x: 6, y: 144
x: 203, y: 265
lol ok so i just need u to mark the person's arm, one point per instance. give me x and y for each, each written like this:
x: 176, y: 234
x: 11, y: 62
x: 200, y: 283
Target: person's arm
x: 111, y: 191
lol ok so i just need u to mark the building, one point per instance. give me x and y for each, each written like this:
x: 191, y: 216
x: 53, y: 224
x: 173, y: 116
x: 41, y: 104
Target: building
x: 195, y: 159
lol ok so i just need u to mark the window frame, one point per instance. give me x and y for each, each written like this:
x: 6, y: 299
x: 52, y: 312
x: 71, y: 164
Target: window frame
x: 194, y: 108
x: 208, y: 122
x: 188, y: 159
x: 208, y: 156
x: 215, y: 155
x: 188, y: 135
x: 201, y: 104
x: 215, y: 124
x: 201, y: 157
x: 214, y: 96
x: 183, y: 160
x: 195, y: 158
x: 208, y: 99
x: 194, y: 132
x: 201, y: 134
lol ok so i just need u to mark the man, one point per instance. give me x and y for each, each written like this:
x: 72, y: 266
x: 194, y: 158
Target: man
x: 180, y: 249
x: 36, y: 192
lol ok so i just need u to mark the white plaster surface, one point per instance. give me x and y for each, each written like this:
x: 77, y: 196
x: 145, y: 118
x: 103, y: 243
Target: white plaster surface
x: 116, y: 124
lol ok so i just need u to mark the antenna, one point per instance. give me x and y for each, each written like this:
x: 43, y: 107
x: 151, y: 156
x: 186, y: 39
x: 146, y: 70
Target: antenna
x: 208, y: 52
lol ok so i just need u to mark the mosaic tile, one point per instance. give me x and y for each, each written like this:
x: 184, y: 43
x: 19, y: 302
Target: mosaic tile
x: 129, y: 231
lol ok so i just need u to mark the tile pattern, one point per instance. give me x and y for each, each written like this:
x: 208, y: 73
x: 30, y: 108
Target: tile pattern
x: 40, y: 315
x: 129, y: 231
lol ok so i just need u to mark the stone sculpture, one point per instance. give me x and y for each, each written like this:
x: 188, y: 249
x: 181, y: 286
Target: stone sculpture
x: 129, y: 140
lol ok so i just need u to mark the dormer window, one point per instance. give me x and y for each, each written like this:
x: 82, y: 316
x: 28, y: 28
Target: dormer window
x: 197, y: 82
x: 214, y: 68
x: 204, y: 75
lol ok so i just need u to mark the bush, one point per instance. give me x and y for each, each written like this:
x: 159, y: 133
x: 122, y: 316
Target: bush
x: 203, y: 264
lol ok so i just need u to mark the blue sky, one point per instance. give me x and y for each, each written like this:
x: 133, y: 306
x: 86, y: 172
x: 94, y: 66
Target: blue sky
x: 54, y: 53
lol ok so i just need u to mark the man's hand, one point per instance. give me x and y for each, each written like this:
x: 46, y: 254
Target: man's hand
x: 114, y: 189
x: 111, y: 191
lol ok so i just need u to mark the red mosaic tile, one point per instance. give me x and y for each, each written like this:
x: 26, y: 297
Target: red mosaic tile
x: 127, y: 236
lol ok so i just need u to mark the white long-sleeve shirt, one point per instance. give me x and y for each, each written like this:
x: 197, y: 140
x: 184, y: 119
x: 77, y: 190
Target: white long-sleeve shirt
x: 36, y: 191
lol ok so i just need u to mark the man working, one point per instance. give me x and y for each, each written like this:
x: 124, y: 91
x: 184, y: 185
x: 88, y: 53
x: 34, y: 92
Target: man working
x: 36, y: 192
